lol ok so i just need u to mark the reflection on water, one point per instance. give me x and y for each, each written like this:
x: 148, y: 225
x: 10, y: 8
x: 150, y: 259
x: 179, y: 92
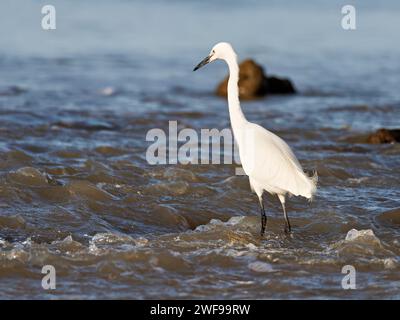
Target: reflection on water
x: 76, y: 190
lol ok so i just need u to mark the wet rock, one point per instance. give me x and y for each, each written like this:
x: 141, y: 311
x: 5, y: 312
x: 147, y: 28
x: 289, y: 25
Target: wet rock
x: 365, y: 236
x: 254, y: 83
x: 391, y: 217
x: 362, y: 244
x: 384, y: 136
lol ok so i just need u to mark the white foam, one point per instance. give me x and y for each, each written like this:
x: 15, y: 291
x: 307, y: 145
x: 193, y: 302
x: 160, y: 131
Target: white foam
x: 357, y: 180
x: 251, y: 246
x: 389, y: 263
x: 234, y: 220
x: 107, y: 91
x: 216, y: 222
x: 259, y: 266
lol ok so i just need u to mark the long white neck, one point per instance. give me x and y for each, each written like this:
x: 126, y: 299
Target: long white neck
x: 235, y: 111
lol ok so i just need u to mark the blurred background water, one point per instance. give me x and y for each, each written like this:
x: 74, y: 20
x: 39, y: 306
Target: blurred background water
x: 77, y: 192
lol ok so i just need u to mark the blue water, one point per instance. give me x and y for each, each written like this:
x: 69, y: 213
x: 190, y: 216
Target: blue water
x: 131, y: 223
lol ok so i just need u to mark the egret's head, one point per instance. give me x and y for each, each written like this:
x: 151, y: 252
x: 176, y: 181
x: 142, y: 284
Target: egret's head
x: 222, y: 50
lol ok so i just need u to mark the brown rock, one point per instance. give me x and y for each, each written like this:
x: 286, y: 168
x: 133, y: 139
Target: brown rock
x: 384, y: 136
x: 253, y: 82
x: 390, y: 217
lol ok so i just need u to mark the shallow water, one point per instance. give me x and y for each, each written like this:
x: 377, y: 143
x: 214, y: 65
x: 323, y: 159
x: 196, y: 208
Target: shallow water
x: 77, y: 192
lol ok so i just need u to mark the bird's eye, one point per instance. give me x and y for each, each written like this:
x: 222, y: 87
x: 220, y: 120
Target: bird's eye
x: 213, y: 51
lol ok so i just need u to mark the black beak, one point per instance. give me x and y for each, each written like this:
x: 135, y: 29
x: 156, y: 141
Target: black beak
x: 202, y: 63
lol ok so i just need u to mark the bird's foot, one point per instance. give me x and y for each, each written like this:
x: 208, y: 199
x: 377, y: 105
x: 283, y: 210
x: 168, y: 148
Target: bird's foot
x: 287, y: 230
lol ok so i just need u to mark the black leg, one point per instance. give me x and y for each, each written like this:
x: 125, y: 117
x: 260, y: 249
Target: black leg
x: 263, y: 217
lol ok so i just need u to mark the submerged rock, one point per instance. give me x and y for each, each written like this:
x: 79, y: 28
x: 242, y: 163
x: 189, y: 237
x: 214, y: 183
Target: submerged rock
x: 28, y: 176
x: 384, y: 136
x: 12, y: 222
x: 254, y: 83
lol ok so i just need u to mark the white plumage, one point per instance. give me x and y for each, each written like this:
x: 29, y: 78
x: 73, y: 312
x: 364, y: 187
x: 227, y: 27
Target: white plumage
x: 266, y: 159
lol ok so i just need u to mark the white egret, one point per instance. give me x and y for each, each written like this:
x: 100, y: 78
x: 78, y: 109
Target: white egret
x: 267, y: 160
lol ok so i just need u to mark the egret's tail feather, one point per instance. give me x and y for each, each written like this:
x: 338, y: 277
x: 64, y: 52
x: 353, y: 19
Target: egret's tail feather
x: 303, y: 185
x: 307, y: 186
x: 314, y: 181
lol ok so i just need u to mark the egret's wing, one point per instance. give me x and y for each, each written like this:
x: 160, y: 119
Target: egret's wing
x: 267, y: 159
